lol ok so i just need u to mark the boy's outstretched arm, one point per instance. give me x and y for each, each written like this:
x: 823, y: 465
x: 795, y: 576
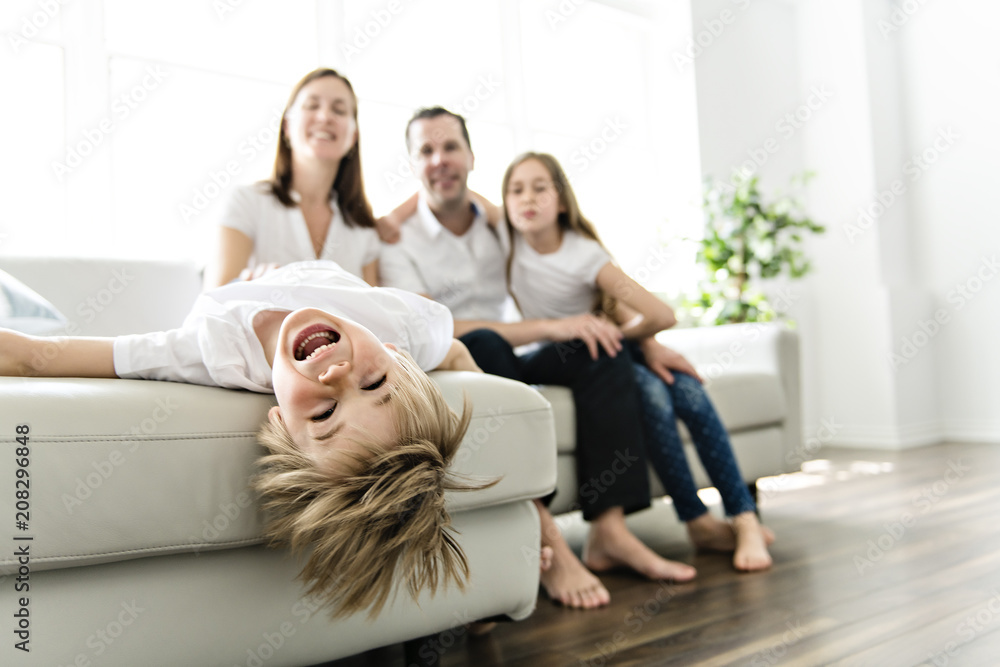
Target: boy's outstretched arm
x: 58, y: 356
x: 458, y: 359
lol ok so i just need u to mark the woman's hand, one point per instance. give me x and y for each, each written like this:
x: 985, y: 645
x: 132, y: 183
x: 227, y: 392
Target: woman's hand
x: 594, y: 331
x: 662, y: 360
x: 257, y: 271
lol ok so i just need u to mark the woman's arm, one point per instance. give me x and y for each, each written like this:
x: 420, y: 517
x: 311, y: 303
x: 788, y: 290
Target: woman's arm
x: 58, y: 356
x: 234, y: 252
x: 644, y: 315
x: 369, y: 272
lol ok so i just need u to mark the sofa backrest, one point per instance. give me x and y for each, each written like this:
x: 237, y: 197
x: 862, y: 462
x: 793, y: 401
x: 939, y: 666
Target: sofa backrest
x: 111, y: 297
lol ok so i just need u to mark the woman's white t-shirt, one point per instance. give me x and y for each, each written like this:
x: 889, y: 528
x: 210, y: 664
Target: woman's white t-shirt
x: 280, y: 235
x: 558, y: 284
x: 217, y: 344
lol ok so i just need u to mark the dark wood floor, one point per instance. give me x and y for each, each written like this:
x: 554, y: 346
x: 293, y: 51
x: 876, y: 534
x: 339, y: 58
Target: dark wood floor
x: 882, y: 559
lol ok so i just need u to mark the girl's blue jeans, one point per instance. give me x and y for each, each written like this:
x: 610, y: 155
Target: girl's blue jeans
x: 662, y: 405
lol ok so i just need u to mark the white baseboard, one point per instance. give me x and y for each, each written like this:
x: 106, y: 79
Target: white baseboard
x: 911, y: 436
x: 888, y: 438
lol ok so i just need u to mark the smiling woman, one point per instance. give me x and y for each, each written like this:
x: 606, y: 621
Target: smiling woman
x: 314, y: 204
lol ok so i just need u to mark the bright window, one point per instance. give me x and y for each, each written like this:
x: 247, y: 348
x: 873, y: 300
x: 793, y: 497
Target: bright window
x: 133, y: 120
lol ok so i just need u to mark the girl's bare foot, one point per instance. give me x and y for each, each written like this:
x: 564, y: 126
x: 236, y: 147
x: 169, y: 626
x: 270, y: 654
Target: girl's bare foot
x: 563, y: 576
x: 751, y: 543
x: 709, y: 532
x: 611, y: 545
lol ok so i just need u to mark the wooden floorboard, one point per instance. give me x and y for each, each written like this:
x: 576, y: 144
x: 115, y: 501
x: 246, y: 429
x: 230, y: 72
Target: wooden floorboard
x: 882, y: 559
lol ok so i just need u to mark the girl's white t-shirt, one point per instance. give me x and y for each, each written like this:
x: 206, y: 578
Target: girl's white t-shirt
x: 558, y: 284
x: 217, y: 345
x: 280, y: 235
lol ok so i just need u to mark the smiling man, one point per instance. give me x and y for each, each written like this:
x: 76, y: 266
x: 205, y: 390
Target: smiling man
x: 355, y: 409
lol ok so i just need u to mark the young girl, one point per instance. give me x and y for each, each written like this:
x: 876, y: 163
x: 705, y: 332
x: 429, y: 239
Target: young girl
x: 559, y: 268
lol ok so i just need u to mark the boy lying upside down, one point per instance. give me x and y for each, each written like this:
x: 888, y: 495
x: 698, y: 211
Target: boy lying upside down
x: 361, y: 439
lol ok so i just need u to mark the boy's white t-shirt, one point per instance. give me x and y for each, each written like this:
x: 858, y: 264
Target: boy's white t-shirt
x: 217, y: 345
x: 280, y: 235
x: 558, y: 284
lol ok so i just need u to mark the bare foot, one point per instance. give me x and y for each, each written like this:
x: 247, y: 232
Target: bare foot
x: 545, y: 559
x: 480, y: 628
x: 611, y: 545
x: 563, y: 576
x: 751, y: 543
x: 709, y: 532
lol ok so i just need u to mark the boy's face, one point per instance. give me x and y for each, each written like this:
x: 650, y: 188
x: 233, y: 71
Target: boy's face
x: 332, y: 379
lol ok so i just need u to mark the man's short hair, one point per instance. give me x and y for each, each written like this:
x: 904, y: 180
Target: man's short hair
x: 427, y: 113
x: 382, y: 516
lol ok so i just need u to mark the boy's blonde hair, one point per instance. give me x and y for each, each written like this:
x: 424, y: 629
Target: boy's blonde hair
x: 381, y: 518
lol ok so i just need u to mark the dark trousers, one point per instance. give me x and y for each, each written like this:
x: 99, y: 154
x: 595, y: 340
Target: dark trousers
x: 610, y: 461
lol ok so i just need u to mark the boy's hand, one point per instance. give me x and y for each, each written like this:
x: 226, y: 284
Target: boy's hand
x: 458, y: 359
x: 15, y: 349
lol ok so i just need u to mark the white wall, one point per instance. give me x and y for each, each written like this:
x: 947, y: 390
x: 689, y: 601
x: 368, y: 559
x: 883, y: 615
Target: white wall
x: 896, y: 83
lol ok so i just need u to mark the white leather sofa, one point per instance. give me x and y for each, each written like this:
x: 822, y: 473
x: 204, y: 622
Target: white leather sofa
x: 146, y: 545
x: 146, y: 542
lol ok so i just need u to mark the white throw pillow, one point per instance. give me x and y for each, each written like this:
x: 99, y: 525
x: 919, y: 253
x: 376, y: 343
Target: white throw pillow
x: 25, y: 310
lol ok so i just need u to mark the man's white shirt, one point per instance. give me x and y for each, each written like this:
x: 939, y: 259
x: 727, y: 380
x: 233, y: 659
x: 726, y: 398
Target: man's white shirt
x: 467, y: 273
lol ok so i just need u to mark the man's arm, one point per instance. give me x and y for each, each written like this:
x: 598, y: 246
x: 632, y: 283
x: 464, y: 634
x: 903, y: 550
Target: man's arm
x: 594, y: 331
x: 58, y: 356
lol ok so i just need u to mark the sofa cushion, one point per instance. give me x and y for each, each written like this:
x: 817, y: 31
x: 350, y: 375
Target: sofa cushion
x: 123, y: 469
x: 743, y: 400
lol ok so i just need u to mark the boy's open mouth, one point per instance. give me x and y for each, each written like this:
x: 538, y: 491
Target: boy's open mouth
x: 312, y: 339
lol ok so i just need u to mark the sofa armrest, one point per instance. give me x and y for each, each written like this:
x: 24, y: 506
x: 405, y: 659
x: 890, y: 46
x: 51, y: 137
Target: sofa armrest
x: 749, y: 348
x: 123, y: 469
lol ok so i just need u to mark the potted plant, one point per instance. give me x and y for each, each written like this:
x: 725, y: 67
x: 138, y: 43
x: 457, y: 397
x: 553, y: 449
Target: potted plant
x: 746, y: 240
